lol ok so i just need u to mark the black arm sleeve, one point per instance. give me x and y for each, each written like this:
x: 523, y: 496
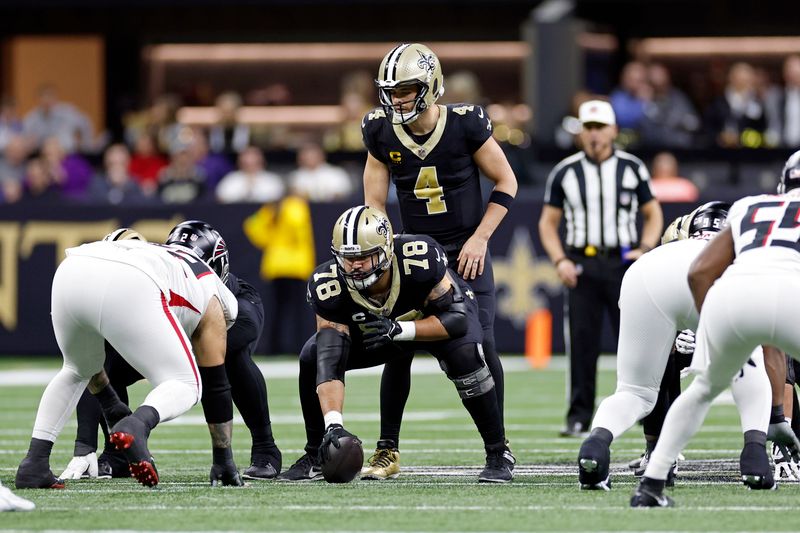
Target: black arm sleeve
x: 451, y: 310
x: 333, y: 347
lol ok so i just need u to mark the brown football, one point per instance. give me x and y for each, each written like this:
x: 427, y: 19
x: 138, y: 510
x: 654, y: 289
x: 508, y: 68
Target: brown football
x: 344, y: 462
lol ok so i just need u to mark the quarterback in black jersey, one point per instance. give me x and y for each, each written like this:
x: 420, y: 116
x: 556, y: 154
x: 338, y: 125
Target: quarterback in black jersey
x: 434, y: 154
x: 379, y: 300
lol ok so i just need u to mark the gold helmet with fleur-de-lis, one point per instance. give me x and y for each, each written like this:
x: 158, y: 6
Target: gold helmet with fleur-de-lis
x: 362, y: 233
x: 410, y: 64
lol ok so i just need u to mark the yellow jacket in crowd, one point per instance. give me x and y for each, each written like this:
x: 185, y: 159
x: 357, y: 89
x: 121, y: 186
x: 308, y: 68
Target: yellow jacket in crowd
x: 285, y: 234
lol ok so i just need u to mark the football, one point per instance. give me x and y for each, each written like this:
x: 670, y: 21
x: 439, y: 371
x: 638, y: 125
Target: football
x: 344, y: 462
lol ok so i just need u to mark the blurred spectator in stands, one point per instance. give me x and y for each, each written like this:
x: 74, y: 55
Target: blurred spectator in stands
x: 670, y: 119
x: 215, y: 166
x: 40, y: 186
x: 463, y: 86
x: 667, y: 184
x: 53, y: 118
x: 115, y: 185
x: 10, y: 123
x: 182, y: 181
x: 228, y: 136
x: 251, y: 183
x: 270, y: 136
x: 630, y: 99
x: 284, y: 232
x: 15, y: 156
x: 146, y: 163
x: 358, y: 89
x: 566, y: 134
x: 70, y: 171
x: 159, y: 120
x: 737, y: 118
x: 318, y: 180
x: 783, y: 106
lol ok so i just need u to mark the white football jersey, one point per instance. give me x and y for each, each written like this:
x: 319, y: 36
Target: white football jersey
x: 662, y: 273
x: 766, y: 234
x: 188, y: 284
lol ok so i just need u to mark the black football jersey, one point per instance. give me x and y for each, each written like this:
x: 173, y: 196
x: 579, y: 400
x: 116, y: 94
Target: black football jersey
x: 418, y: 265
x: 437, y: 180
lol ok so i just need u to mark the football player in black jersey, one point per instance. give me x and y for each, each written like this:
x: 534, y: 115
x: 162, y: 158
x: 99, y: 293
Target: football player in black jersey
x: 248, y: 390
x: 434, y: 155
x: 380, y: 299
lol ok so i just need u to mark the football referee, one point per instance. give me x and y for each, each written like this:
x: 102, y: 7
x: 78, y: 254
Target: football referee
x: 599, y: 191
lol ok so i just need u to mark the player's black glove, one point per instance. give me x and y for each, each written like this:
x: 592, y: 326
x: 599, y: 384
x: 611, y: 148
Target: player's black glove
x: 780, y: 433
x: 225, y: 475
x: 380, y: 332
x: 333, y: 433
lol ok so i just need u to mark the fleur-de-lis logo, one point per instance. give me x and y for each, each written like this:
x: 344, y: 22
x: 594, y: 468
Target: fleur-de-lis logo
x: 383, y: 227
x: 426, y: 62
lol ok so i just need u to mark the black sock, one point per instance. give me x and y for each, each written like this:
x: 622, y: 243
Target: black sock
x: 486, y: 416
x: 653, y: 484
x: 395, y: 388
x: 495, y: 368
x: 603, y: 435
x: 650, y: 444
x: 89, y: 414
x: 758, y: 437
x: 148, y: 415
x: 113, y: 408
x: 263, y: 441
x: 40, y: 449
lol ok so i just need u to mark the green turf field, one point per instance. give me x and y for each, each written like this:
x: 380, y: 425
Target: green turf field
x: 438, y: 490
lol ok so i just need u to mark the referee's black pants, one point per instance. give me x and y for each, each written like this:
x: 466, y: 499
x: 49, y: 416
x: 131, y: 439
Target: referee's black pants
x: 597, y: 291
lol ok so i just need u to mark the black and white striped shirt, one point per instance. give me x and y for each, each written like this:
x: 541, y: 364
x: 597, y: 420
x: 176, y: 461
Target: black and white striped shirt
x: 600, y: 201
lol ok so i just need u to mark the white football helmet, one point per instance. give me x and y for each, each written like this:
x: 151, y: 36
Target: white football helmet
x: 361, y: 232
x: 124, y: 234
x: 410, y: 65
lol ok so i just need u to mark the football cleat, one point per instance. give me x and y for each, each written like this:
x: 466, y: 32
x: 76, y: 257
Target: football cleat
x: 786, y: 468
x: 645, y: 459
x: 574, y: 429
x: 594, y: 458
x: 11, y: 502
x: 36, y: 474
x: 307, y: 468
x: 384, y: 463
x: 499, y: 466
x: 260, y: 470
x: 636, y: 463
x: 81, y: 467
x: 648, y: 496
x: 112, y: 464
x: 130, y: 435
x: 755, y: 468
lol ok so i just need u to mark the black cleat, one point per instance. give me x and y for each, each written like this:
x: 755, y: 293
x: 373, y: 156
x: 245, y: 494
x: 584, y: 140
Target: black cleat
x: 260, y: 470
x: 755, y: 468
x: 593, y: 465
x: 307, y: 468
x: 647, y: 497
x: 130, y: 435
x: 36, y: 474
x: 499, y: 466
x: 112, y: 464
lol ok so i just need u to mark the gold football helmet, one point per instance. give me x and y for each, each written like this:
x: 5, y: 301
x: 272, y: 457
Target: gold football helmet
x: 124, y: 234
x: 362, y: 234
x: 409, y: 65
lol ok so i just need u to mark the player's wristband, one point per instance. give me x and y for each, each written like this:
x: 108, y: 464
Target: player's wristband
x: 409, y: 331
x: 333, y: 417
x: 776, y: 415
x: 501, y: 198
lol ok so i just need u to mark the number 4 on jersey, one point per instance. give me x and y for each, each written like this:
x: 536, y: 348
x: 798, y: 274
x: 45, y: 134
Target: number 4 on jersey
x: 427, y: 188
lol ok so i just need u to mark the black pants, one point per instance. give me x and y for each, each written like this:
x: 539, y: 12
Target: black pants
x: 597, y: 291
x: 291, y: 320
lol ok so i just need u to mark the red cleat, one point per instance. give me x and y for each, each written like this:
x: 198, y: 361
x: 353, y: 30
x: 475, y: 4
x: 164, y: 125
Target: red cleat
x: 145, y: 473
x: 130, y: 436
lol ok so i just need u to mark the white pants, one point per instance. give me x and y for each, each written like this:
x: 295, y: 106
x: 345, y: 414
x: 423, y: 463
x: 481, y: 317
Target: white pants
x: 647, y: 331
x: 95, y: 300
x: 740, y: 312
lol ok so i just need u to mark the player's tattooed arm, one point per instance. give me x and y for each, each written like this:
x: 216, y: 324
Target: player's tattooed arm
x: 323, y: 323
x: 221, y: 434
x: 440, y: 289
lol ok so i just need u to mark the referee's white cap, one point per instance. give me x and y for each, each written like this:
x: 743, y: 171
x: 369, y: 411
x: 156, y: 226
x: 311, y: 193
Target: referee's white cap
x: 597, y: 112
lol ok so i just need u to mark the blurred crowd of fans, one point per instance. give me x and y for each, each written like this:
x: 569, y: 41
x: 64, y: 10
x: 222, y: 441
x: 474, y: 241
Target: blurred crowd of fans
x: 53, y: 154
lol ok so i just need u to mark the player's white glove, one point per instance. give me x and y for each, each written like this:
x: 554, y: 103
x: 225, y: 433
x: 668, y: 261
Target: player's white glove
x: 684, y: 342
x: 786, y: 468
x: 11, y: 502
x: 84, y: 466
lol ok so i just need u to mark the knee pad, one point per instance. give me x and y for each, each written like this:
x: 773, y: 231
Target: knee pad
x: 474, y: 384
